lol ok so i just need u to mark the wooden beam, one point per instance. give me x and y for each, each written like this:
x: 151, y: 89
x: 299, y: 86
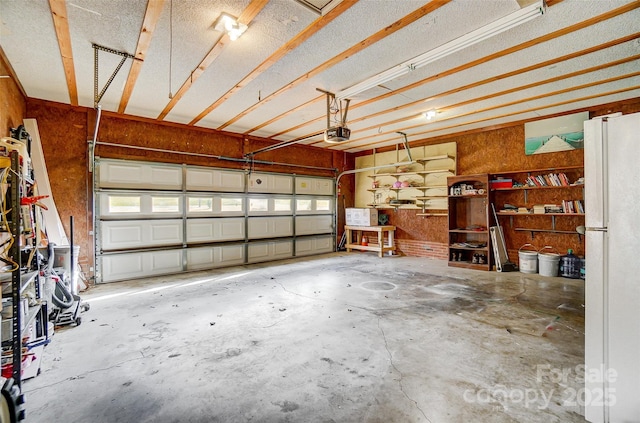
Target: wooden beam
x: 531, y: 109
x: 61, y: 24
x: 547, y: 37
x: 151, y: 17
x: 522, y: 46
x: 288, y: 112
x: 367, y: 42
x: 11, y: 73
x: 291, y: 45
x: 246, y: 17
x: 517, y: 89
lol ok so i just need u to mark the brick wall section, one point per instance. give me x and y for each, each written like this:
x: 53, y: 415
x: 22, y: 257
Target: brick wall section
x: 417, y: 248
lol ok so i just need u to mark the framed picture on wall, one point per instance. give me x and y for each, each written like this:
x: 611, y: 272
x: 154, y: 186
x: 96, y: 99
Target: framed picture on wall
x: 552, y: 135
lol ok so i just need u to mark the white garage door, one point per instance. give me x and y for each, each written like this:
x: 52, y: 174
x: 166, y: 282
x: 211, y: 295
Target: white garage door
x: 156, y: 218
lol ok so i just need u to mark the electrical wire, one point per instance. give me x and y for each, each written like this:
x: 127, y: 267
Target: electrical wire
x: 4, y: 176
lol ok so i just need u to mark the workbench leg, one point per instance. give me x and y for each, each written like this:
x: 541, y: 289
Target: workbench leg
x: 391, y: 237
x: 348, y: 239
x: 381, y: 243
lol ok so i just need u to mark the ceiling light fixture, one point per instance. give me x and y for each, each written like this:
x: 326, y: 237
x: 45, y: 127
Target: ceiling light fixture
x: 230, y: 25
x: 430, y: 114
x: 510, y: 21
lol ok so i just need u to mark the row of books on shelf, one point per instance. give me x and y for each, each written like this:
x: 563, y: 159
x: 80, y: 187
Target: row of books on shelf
x: 567, y: 206
x: 550, y: 180
x: 572, y: 206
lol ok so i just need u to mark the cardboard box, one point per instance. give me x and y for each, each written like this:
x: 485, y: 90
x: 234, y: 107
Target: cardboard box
x: 361, y: 217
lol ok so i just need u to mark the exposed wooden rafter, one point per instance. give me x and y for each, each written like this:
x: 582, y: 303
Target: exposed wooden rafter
x: 151, y: 17
x: 367, y: 42
x: 246, y: 17
x: 310, y: 30
x: 61, y: 24
x: 465, y: 66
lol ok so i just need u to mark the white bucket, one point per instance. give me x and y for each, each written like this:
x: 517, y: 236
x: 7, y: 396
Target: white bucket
x: 549, y: 262
x: 528, y: 260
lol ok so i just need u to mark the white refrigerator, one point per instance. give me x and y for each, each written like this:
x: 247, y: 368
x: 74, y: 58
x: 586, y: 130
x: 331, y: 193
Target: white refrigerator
x: 612, y: 290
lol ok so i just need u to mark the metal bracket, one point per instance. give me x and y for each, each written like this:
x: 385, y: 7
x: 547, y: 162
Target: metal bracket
x: 406, y: 145
x: 96, y: 48
x: 343, y: 108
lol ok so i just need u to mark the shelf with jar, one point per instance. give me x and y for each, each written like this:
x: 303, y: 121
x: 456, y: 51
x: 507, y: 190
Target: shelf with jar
x: 555, y: 193
x: 420, y: 186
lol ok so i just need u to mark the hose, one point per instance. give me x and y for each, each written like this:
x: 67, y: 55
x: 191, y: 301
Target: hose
x: 61, y: 297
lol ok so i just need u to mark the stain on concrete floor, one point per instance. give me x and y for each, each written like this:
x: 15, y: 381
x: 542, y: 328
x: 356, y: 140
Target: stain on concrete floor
x: 361, y: 339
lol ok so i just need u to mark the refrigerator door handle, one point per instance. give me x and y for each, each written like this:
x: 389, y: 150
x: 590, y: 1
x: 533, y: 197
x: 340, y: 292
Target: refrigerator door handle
x: 595, y: 229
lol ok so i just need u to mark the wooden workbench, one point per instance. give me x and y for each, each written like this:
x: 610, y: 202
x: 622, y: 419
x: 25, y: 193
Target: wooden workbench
x: 380, y: 247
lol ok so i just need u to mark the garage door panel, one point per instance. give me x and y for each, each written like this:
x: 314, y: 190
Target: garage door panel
x: 125, y: 174
x: 231, y: 255
x: 117, y: 267
x: 272, y: 250
x: 314, y: 186
x: 120, y: 235
x: 165, y: 261
x: 201, y: 258
x: 215, y: 229
x: 215, y: 180
x: 231, y: 229
x: 309, y: 225
x: 314, y: 245
x: 200, y: 230
x: 270, y: 227
x: 163, y: 218
x: 166, y: 233
x: 270, y: 183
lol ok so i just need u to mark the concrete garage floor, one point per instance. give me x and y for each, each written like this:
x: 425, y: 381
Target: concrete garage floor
x: 345, y: 337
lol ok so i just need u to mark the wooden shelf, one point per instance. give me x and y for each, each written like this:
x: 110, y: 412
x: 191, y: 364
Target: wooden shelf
x: 539, y: 214
x: 468, y: 196
x: 548, y: 231
x: 425, y: 187
x: 381, y: 245
x: 548, y: 169
x: 469, y: 211
x: 454, y: 247
x: 427, y: 171
x: 467, y: 265
x: 429, y: 197
x: 439, y: 157
x: 467, y: 231
x: 524, y: 188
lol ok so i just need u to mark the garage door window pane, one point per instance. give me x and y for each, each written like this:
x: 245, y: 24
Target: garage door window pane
x: 258, y: 204
x: 230, y: 204
x: 323, y: 205
x: 303, y: 205
x: 165, y: 204
x: 124, y: 204
x: 282, y: 204
x: 200, y: 204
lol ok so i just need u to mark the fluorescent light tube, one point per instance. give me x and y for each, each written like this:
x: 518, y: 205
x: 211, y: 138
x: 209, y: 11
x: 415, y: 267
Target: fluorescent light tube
x: 494, y: 28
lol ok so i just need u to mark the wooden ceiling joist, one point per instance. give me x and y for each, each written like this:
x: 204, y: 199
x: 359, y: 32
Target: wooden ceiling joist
x: 245, y: 17
x: 367, y: 42
x: 151, y: 17
x: 547, y: 37
x: 296, y: 41
x: 61, y: 24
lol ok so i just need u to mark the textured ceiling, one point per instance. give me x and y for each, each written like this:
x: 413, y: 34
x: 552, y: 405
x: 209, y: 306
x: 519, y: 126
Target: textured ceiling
x: 578, y: 54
